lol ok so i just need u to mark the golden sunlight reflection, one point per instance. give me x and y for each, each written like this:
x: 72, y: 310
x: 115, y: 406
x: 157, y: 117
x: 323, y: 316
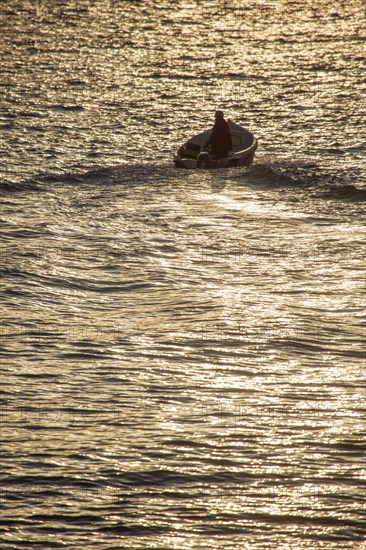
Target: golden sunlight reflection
x: 182, y: 350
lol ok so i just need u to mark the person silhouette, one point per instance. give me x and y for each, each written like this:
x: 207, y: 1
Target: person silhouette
x: 220, y: 142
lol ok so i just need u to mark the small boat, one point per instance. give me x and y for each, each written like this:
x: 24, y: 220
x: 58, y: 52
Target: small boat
x: 193, y: 154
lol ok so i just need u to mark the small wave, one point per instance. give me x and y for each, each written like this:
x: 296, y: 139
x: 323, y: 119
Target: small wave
x: 285, y: 173
x: 134, y: 530
x: 129, y: 174
x: 76, y: 82
x: 13, y: 187
x: 30, y: 114
x: 345, y: 192
x: 305, y: 175
x: 66, y: 108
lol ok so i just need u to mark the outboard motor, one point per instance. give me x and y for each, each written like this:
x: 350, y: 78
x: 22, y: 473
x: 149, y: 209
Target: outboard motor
x: 204, y: 160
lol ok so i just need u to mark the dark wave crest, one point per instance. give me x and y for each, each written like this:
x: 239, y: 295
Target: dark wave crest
x: 325, y: 183
x: 129, y: 174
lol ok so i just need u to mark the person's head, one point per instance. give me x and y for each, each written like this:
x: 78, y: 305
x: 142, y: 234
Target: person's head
x: 219, y: 114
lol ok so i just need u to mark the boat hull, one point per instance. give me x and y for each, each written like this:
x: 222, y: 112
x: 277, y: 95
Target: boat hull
x: 244, y: 148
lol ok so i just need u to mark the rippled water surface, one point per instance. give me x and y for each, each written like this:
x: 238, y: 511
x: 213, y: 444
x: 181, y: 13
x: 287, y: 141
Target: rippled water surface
x: 183, y: 353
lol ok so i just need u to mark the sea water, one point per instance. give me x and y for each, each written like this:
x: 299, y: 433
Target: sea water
x: 183, y: 352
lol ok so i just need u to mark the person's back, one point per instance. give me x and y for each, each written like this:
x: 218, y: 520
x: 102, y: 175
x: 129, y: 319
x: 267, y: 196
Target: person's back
x: 220, y: 139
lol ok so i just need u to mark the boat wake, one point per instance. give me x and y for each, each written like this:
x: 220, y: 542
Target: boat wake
x: 315, y: 178
x: 126, y: 174
x: 318, y: 181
